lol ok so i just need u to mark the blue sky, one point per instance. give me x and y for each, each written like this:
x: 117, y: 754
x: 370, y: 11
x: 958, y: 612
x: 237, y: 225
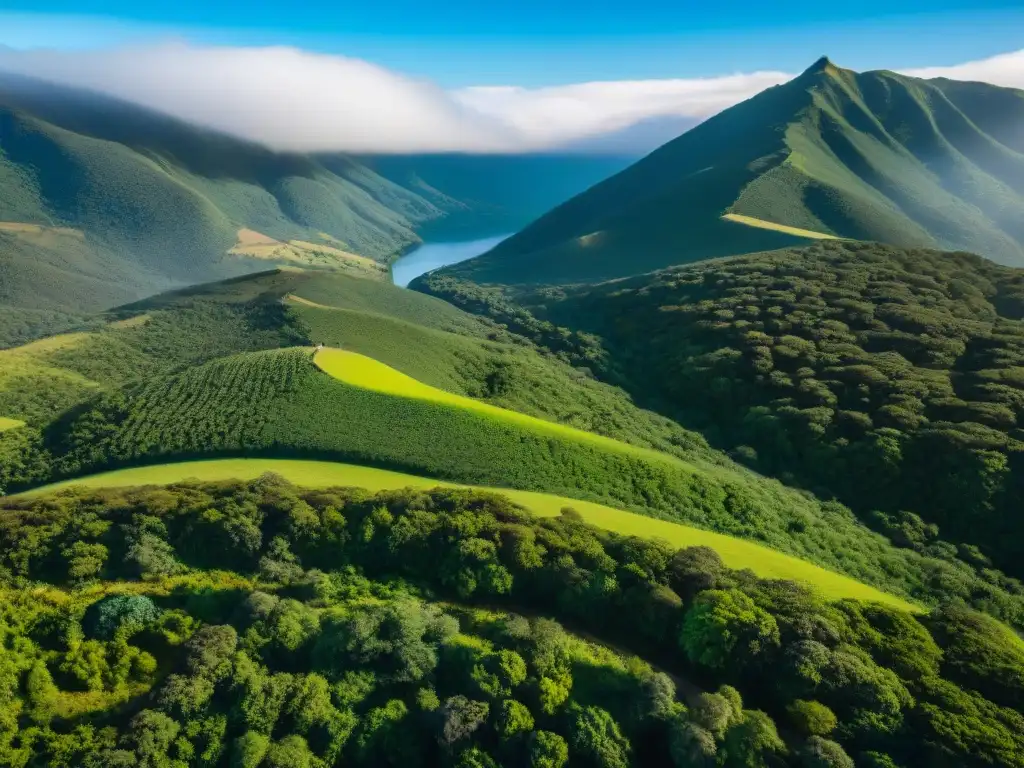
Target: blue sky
x: 485, y: 76
x: 547, y: 42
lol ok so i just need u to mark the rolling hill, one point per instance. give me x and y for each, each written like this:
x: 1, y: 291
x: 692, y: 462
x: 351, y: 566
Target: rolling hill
x: 867, y: 156
x: 823, y: 366
x: 223, y: 371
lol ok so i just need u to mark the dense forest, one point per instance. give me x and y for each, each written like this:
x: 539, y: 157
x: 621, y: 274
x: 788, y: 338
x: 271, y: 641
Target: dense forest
x: 892, y: 379
x: 258, y: 623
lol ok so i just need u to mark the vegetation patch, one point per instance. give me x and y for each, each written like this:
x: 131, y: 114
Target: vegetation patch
x: 257, y: 245
x: 750, y: 221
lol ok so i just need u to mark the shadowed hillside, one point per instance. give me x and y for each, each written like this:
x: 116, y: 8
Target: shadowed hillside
x: 868, y: 156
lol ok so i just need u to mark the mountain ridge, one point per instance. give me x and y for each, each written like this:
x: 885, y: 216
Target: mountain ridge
x: 868, y: 156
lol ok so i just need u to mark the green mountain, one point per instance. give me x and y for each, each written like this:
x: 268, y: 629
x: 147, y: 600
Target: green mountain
x: 832, y: 153
x: 102, y: 202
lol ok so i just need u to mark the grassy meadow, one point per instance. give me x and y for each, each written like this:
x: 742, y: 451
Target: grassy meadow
x: 751, y: 221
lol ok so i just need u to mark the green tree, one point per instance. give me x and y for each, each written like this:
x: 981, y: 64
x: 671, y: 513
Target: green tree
x: 152, y: 736
x: 124, y: 614
x: 513, y: 719
x: 726, y: 627
x: 716, y: 713
x: 596, y: 737
x: 811, y: 717
x: 40, y: 694
x: 290, y: 752
x: 547, y: 750
x: 210, y: 650
x: 690, y: 745
x: 185, y: 696
x: 248, y: 750
x: 459, y: 718
x: 822, y: 753
x: 752, y: 742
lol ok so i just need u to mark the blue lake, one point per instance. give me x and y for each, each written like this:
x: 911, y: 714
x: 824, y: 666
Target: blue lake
x: 434, y: 255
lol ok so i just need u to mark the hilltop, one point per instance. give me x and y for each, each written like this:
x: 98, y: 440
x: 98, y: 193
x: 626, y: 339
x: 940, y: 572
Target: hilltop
x: 832, y: 153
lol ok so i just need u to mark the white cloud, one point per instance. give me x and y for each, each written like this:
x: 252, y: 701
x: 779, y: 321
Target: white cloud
x: 292, y: 99
x: 1006, y: 69
x: 283, y: 97
x: 562, y: 114
x: 296, y: 100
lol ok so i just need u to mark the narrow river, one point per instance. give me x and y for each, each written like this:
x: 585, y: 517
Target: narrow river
x: 433, y: 255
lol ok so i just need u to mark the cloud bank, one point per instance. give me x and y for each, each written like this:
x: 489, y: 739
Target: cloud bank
x: 1007, y: 70
x: 291, y: 99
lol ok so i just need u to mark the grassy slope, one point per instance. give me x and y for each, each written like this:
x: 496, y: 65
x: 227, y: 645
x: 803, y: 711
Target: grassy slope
x: 750, y: 221
x: 447, y: 348
x: 873, y: 156
x: 735, y: 553
x: 366, y: 373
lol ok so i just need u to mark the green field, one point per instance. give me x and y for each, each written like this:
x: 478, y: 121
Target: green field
x: 6, y: 423
x: 365, y: 372
x: 735, y: 553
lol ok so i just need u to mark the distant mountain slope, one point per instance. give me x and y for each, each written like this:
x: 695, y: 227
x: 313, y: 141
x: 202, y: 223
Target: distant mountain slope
x: 872, y: 156
x: 147, y: 202
x: 103, y: 202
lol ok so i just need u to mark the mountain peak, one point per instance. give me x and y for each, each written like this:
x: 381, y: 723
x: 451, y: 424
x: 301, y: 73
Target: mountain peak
x: 821, y: 65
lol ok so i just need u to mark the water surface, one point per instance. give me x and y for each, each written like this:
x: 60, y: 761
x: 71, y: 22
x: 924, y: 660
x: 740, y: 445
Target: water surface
x: 434, y: 255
